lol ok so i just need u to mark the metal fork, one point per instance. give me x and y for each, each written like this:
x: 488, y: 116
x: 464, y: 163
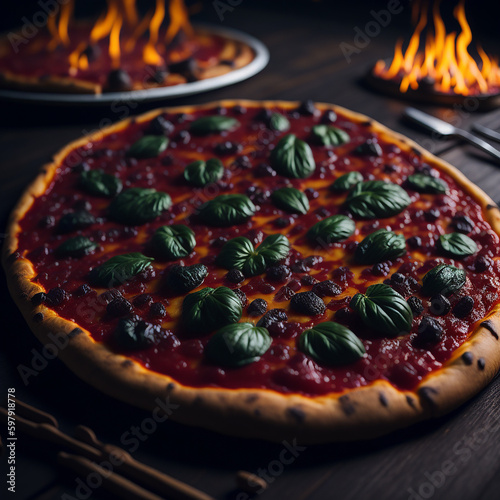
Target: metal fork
x: 447, y: 130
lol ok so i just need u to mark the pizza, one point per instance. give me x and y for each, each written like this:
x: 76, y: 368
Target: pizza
x: 275, y: 269
x: 82, y: 66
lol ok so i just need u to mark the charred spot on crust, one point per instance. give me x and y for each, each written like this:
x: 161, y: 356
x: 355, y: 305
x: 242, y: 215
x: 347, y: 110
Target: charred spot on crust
x: 468, y: 358
x: 410, y: 401
x: 73, y: 333
x: 127, y: 363
x: 488, y: 324
x: 427, y: 395
x: 257, y: 412
x: 13, y: 257
x: 170, y: 387
x: 481, y: 363
x: 347, y: 405
x: 38, y: 317
x: 197, y: 400
x: 491, y: 207
x: 298, y: 414
x: 383, y: 399
x: 252, y: 398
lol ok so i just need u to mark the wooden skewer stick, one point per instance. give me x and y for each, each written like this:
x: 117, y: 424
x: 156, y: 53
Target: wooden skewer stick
x: 118, y: 485
x: 34, y: 414
x: 154, y: 479
x: 47, y: 432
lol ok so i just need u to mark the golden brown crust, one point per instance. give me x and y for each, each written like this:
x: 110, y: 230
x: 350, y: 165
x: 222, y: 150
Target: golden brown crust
x: 354, y: 414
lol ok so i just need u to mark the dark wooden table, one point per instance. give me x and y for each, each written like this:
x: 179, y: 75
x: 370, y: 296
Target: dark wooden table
x: 455, y: 457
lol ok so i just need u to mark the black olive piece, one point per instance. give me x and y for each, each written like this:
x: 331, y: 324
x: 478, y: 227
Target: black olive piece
x: 47, y: 221
x: 81, y: 167
x: 118, y: 307
x: 307, y: 303
x: 264, y: 170
x: 235, y: 276
x: 82, y: 290
x: 279, y: 272
x: 257, y: 307
x: 369, y: 149
x: 272, y: 316
x: 432, y: 214
x: 239, y: 110
x: 142, y: 300
x: 187, y: 68
x: 118, y: 81
x: 429, y: 331
x: 326, y: 288
x: 462, y: 223
x: 56, y: 296
x: 227, y: 148
x: 160, y: 126
x: 463, y: 307
x: 440, y: 305
x: 157, y: 310
x: 38, y: 298
x: 242, y: 296
x: 482, y: 264
x: 307, y: 108
x: 329, y: 117
x: 416, y: 306
x: 414, y: 242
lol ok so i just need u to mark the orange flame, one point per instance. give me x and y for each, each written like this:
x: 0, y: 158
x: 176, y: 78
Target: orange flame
x: 445, y: 59
x: 120, y: 26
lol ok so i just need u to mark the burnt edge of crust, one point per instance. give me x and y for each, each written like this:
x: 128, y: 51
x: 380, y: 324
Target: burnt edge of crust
x: 75, y: 332
x: 296, y: 413
x: 347, y: 405
x: 410, y: 401
x: 467, y: 358
x: 427, y: 394
x: 491, y: 206
x: 13, y: 257
x: 383, y: 399
x: 38, y: 317
x: 481, y: 363
x: 488, y: 324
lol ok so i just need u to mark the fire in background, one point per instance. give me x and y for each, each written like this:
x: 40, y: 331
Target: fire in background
x: 441, y: 61
x: 122, y: 49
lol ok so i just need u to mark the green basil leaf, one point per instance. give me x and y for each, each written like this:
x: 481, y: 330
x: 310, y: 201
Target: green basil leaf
x: 427, y: 184
x: 279, y: 122
x: 330, y: 230
x: 183, y: 279
x: 457, y: 244
x: 120, y: 269
x: 174, y: 242
x: 290, y: 199
x: 238, y: 344
x: 326, y: 135
x: 331, y: 344
x: 235, y: 253
x: 384, y: 310
x: 380, y: 246
x: 137, y: 206
x: 274, y: 248
x: 148, y: 146
x: 210, y: 308
x: 377, y: 199
x: 213, y: 124
x: 133, y: 334
x: 239, y: 253
x: 347, y: 181
x: 99, y: 183
x: 200, y: 173
x: 292, y: 157
x: 79, y: 246
x: 444, y: 279
x: 227, y: 210
x: 75, y: 220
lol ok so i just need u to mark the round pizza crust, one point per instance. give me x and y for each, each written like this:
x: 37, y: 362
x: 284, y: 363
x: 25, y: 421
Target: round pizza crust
x: 354, y: 414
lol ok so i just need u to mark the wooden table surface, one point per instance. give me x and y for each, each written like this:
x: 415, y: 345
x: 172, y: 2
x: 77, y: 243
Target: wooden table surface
x: 457, y: 456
